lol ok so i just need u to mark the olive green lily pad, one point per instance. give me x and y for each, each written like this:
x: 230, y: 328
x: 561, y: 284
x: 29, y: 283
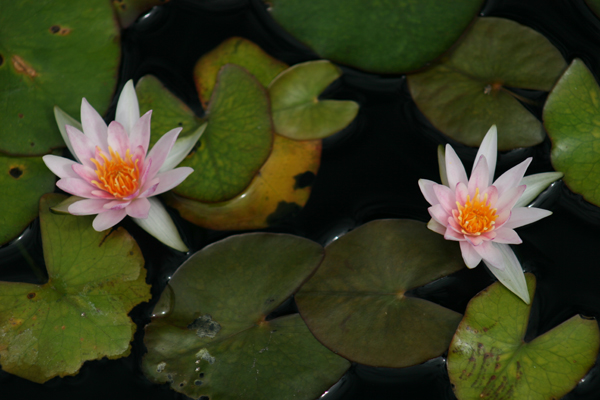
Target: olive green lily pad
x: 471, y: 90
x: 80, y: 314
x: 572, y: 119
x: 129, y: 10
x: 209, y: 336
x: 489, y: 358
x: 356, y: 303
x: 53, y: 53
x: 594, y: 5
x: 295, y: 106
x: 238, y: 51
x: 24, y: 180
x: 386, y: 37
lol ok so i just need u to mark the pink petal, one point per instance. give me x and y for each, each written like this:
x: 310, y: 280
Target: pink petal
x: 93, y: 125
x: 77, y: 187
x: 437, y: 212
x: 492, y: 193
x: 507, y: 236
x: 149, y: 191
x: 161, y: 149
x: 140, y: 133
x: 83, y: 146
x: 475, y: 240
x: 454, y: 168
x: 128, y: 108
x: 88, y: 207
x: 86, y: 173
x: 453, y: 222
x: 470, y: 256
x: 525, y: 215
x: 512, y: 177
x: 436, y: 227
x: 116, y: 205
x: 490, y: 254
x: 508, y: 199
x: 488, y: 149
x: 139, y: 208
x: 461, y: 193
x: 451, y: 234
x: 108, y: 219
x: 480, y: 178
x: 446, y: 197
x: 489, y: 235
x: 102, y: 194
x: 117, y: 138
x: 61, y: 167
x: 426, y: 187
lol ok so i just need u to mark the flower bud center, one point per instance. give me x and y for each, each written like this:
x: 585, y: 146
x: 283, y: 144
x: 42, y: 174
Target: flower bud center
x: 476, y: 217
x: 117, y: 176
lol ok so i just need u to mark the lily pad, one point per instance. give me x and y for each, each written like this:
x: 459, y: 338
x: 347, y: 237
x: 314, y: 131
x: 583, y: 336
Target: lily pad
x: 489, y: 358
x: 385, y: 37
x: 296, y: 109
x: 594, y: 5
x: 24, y: 180
x: 42, y: 64
x: 210, y: 336
x: 281, y: 187
x: 80, y: 314
x: 238, y: 51
x: 471, y: 90
x: 572, y: 119
x: 357, y: 303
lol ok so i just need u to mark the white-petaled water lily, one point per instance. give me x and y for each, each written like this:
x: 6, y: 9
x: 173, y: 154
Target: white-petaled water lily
x: 482, y: 215
x: 114, y: 175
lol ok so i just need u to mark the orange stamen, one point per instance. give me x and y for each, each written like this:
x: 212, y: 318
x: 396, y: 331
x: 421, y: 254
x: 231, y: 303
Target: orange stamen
x: 476, y: 217
x: 117, y: 176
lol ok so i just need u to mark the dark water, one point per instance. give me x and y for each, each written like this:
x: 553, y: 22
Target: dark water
x: 368, y: 172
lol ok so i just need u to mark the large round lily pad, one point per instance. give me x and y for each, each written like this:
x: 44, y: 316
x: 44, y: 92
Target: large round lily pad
x: 387, y: 37
x: 356, y: 303
x: 23, y: 180
x: 80, y: 314
x: 281, y: 187
x: 489, y: 358
x: 471, y: 90
x: 53, y: 53
x: 210, y: 336
x: 572, y: 118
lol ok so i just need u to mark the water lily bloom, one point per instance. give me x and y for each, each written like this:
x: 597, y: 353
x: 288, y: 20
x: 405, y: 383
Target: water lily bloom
x: 482, y: 215
x: 114, y: 175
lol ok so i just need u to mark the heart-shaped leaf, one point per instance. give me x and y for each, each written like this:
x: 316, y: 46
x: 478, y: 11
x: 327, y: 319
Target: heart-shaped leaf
x: 23, y: 180
x: 356, y: 303
x: 489, y: 359
x: 209, y: 336
x: 572, y: 118
x: 53, y: 53
x: 295, y: 106
x: 471, y: 90
x: 386, y: 37
x: 80, y: 314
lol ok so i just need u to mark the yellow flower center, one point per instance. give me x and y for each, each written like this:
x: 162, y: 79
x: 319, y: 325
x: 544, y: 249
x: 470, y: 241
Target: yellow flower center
x: 117, y: 176
x: 476, y: 217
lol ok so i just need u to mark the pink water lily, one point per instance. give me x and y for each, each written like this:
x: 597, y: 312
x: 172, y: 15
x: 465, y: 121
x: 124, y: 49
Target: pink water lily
x: 482, y: 215
x: 115, y: 175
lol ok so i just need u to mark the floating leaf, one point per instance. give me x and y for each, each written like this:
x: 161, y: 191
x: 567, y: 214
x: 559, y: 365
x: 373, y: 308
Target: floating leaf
x: 209, y: 336
x: 386, y: 37
x: 23, y: 180
x: 281, y: 187
x: 489, y: 358
x: 356, y: 303
x: 53, y: 53
x: 572, y: 118
x: 237, y: 51
x: 129, y: 10
x: 471, y: 90
x: 80, y: 314
x: 296, y: 109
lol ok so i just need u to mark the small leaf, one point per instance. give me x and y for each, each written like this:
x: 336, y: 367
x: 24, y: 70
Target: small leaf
x: 80, y: 314
x: 297, y: 111
x: 488, y: 357
x: 471, y: 90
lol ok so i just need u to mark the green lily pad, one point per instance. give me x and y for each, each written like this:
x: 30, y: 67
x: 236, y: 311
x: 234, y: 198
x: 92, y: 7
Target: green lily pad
x: 572, y: 119
x: 297, y: 111
x: 471, y: 90
x: 385, y: 37
x: 238, y: 51
x: 53, y: 53
x: 209, y: 336
x: 24, y: 180
x: 489, y: 358
x: 80, y: 314
x: 594, y: 5
x: 129, y: 10
x: 356, y: 304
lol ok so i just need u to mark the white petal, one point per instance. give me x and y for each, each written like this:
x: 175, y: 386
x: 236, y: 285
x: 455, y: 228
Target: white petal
x: 470, y: 256
x: 160, y: 225
x: 442, y: 164
x: 436, y: 227
x: 62, y: 119
x: 454, y: 168
x: 426, y: 187
x: 536, y: 184
x: 181, y: 149
x: 489, y: 149
x: 512, y: 177
x: 525, y: 215
x: 61, y: 167
x: 512, y: 275
x: 128, y: 109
